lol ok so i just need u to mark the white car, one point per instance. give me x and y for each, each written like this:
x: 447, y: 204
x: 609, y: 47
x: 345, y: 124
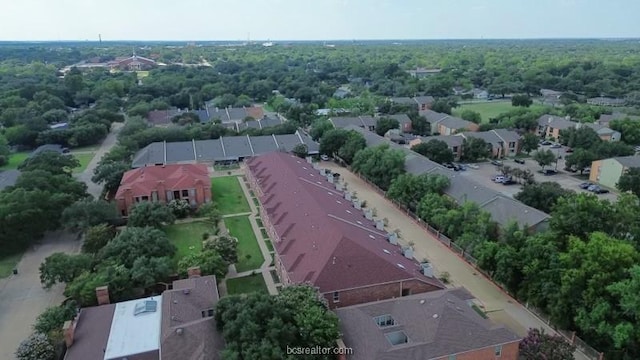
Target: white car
x: 324, y: 157
x: 473, y: 166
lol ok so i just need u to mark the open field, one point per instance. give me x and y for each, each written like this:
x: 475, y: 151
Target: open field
x: 227, y: 193
x: 489, y: 109
x: 85, y: 159
x: 15, y: 160
x: 187, y: 237
x: 247, y: 284
x: 8, y: 263
x: 249, y: 255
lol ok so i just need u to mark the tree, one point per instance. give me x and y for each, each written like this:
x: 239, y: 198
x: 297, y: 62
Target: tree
x: 50, y: 161
x: 147, y: 213
x: 441, y: 106
x: 385, y: 124
x: 146, y: 271
x: 210, y: 211
x: 580, y: 215
x: 542, y: 196
x: 355, y: 142
x: 538, y: 345
x: 544, y: 157
x: 96, y: 237
x: 419, y: 124
x: 435, y: 150
x: 87, y: 212
x: 36, y: 347
x: 581, y: 138
x: 110, y: 174
x: 626, y: 329
x: 300, y: 150
x: 50, y: 322
x: 629, y: 129
x: 580, y: 159
x: 529, y: 142
x: 474, y: 149
x: 226, y: 246
x: 630, y: 181
x: 209, y: 261
x: 521, y: 100
x: 379, y: 164
x: 135, y: 242
x: 333, y: 140
x: 408, y: 189
x: 319, y: 127
x: 63, y: 268
x: 471, y: 115
x: 180, y: 208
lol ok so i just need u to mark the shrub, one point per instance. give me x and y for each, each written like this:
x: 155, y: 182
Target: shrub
x: 180, y: 208
x: 36, y: 347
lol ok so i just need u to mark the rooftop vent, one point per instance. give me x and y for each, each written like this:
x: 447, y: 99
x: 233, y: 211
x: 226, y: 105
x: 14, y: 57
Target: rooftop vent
x: 186, y: 291
x: 435, y: 316
x: 401, y: 266
x: 387, y: 251
x: 179, y: 331
x: 143, y: 307
x: 422, y: 301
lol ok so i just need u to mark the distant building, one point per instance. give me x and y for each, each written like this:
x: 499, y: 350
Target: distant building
x: 606, y: 101
x: 422, y: 73
x: 369, y: 122
x: 549, y: 126
x: 162, y: 184
x: 228, y: 115
x: 445, y: 124
x: 605, y: 119
x: 178, y: 325
x: 438, y: 325
x: 503, y: 142
x: 604, y: 132
x: 454, y: 143
x: 323, y: 236
x: 342, y: 92
x: 422, y: 103
x: 132, y: 63
x: 607, y: 172
x: 480, y: 94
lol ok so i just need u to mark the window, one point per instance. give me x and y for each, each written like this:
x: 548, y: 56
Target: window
x: 512, y: 145
x: 397, y: 337
x: 499, y: 350
x: 145, y: 198
x: 384, y: 320
x: 185, y: 193
x: 336, y: 297
x: 455, y: 149
x: 207, y: 313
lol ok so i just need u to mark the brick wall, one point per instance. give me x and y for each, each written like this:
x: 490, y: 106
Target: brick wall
x: 378, y: 292
x: 509, y: 352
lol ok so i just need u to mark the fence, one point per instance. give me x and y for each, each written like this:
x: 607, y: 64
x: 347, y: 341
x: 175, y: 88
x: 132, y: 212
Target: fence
x: 569, y: 336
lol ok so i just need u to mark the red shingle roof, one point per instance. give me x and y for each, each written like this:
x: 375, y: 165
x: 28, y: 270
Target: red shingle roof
x: 325, y: 240
x: 144, y: 180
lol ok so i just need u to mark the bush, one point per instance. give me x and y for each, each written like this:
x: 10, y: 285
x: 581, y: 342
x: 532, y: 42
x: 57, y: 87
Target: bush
x: 180, y: 208
x: 36, y: 347
x: 3, y: 160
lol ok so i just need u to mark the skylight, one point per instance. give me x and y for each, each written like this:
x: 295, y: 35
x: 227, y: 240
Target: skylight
x: 143, y: 307
x: 397, y: 338
x: 349, y: 211
x: 384, y: 320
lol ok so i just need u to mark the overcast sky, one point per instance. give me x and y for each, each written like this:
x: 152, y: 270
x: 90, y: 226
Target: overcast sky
x: 316, y: 19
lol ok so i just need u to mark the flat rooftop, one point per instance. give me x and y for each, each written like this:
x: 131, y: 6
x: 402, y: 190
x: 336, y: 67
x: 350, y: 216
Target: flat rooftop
x: 135, y: 328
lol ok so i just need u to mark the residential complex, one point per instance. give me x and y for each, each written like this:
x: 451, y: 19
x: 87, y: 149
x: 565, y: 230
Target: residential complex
x: 445, y: 124
x: 323, y: 236
x: 550, y: 126
x: 369, y: 122
x: 503, y: 142
x: 607, y: 172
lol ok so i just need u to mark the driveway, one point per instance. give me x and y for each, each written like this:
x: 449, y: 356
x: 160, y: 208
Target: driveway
x: 502, y: 308
x: 22, y: 297
x: 111, y: 139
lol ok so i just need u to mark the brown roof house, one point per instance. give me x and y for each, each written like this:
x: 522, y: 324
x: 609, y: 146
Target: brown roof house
x: 439, y: 325
x: 445, y: 124
x: 422, y: 103
x: 164, y: 183
x: 323, y: 236
x: 549, y: 126
x: 503, y: 142
x: 179, y: 325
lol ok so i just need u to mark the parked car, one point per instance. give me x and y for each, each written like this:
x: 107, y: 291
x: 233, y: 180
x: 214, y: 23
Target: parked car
x: 519, y: 161
x: 592, y: 187
x: 586, y: 171
x: 496, y: 162
x: 568, y: 150
x: 600, y: 190
x: 585, y: 185
x: 472, y: 166
x: 549, y: 172
x: 556, y: 146
x: 545, y: 143
x: 448, y: 165
x: 499, y: 178
x: 324, y: 157
x: 570, y: 169
x: 508, y: 182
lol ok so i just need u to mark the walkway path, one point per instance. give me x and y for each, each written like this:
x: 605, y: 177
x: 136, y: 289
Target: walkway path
x: 111, y: 139
x: 266, y: 267
x: 504, y: 309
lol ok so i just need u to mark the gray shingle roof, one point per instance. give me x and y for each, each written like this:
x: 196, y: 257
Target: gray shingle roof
x: 340, y: 122
x: 453, y: 122
x: 8, y: 178
x: 437, y: 324
x: 556, y: 122
x: 507, y: 135
x: 450, y: 140
x: 488, y: 136
x: 463, y: 188
x: 401, y: 118
x: 629, y: 161
x: 223, y: 149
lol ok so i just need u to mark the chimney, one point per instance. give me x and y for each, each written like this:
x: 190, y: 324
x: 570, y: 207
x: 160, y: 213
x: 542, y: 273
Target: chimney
x: 102, y: 293
x: 408, y: 252
x: 68, y: 331
x: 379, y: 224
x: 194, y: 272
x: 393, y: 238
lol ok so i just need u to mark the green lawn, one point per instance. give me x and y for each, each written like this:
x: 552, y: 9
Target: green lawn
x: 187, y: 237
x: 247, y: 284
x: 85, y: 159
x: 88, y: 148
x: 249, y: 255
x: 15, y: 159
x: 269, y: 244
x: 228, y: 194
x: 8, y: 263
x: 489, y: 109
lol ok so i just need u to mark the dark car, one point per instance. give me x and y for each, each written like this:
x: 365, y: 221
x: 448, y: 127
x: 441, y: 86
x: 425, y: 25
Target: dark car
x: 496, y: 162
x: 449, y: 165
x: 570, y: 169
x: 508, y: 182
x: 519, y: 161
x: 549, y: 172
x: 600, y: 190
x: 585, y: 185
x: 568, y: 150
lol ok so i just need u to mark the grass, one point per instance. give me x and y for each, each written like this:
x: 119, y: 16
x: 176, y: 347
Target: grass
x: 187, y: 237
x: 8, y: 263
x: 489, y: 109
x: 15, y: 160
x: 249, y: 255
x: 269, y: 244
x: 84, y: 159
x: 247, y: 284
x: 88, y: 148
x: 264, y: 233
x: 228, y: 195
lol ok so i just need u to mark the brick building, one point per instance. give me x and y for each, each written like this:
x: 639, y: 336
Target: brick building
x: 322, y: 236
x: 164, y: 183
x: 439, y: 325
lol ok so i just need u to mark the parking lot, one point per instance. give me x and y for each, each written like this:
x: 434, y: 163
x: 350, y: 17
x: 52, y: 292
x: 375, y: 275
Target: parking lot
x: 567, y: 180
